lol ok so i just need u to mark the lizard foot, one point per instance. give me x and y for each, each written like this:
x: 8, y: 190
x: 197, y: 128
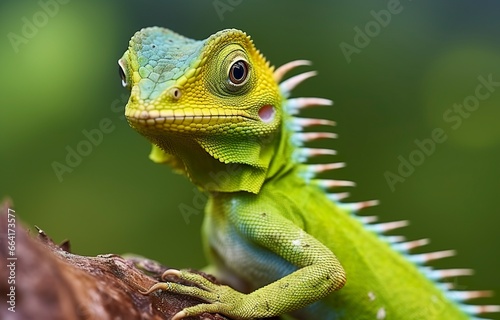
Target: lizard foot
x: 220, y: 298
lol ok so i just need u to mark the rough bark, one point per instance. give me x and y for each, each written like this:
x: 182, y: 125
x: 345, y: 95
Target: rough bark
x: 49, y: 282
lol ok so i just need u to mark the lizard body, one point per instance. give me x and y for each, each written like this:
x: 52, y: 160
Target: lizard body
x: 218, y: 112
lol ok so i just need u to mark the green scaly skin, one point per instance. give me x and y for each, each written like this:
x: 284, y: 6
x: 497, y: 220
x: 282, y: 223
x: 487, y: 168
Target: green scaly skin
x: 216, y: 111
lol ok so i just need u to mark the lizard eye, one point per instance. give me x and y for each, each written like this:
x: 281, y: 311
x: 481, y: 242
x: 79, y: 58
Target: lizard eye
x: 122, y: 72
x: 238, y: 72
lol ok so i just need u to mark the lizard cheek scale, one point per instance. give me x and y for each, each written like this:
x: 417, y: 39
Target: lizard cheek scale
x: 219, y: 113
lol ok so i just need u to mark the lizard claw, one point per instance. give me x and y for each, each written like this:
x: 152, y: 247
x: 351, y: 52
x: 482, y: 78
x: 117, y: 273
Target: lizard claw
x: 179, y: 315
x: 157, y: 286
x: 171, y: 272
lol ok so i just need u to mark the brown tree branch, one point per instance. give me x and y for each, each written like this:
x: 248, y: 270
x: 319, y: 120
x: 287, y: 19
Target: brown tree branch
x: 42, y: 280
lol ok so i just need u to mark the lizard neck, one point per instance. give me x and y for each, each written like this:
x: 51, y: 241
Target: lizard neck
x: 283, y: 161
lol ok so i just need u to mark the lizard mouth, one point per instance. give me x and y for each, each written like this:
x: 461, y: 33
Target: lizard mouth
x: 186, y: 119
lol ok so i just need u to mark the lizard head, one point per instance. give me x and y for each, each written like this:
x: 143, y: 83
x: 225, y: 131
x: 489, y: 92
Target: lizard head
x: 211, y: 108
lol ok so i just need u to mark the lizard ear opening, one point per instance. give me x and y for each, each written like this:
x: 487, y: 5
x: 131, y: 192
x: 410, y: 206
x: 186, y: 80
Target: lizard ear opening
x: 267, y: 113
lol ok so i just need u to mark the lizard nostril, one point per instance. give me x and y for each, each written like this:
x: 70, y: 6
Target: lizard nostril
x: 266, y: 113
x: 175, y: 93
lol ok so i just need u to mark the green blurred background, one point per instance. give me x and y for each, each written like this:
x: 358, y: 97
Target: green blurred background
x: 61, y: 78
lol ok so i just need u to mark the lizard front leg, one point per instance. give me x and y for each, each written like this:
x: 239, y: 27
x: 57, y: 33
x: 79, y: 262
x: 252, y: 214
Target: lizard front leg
x: 319, y: 273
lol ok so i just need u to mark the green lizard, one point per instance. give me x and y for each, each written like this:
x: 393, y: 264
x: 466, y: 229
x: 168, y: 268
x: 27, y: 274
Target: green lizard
x: 218, y: 112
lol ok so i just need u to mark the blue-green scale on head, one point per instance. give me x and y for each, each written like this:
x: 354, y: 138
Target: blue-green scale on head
x: 163, y: 57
